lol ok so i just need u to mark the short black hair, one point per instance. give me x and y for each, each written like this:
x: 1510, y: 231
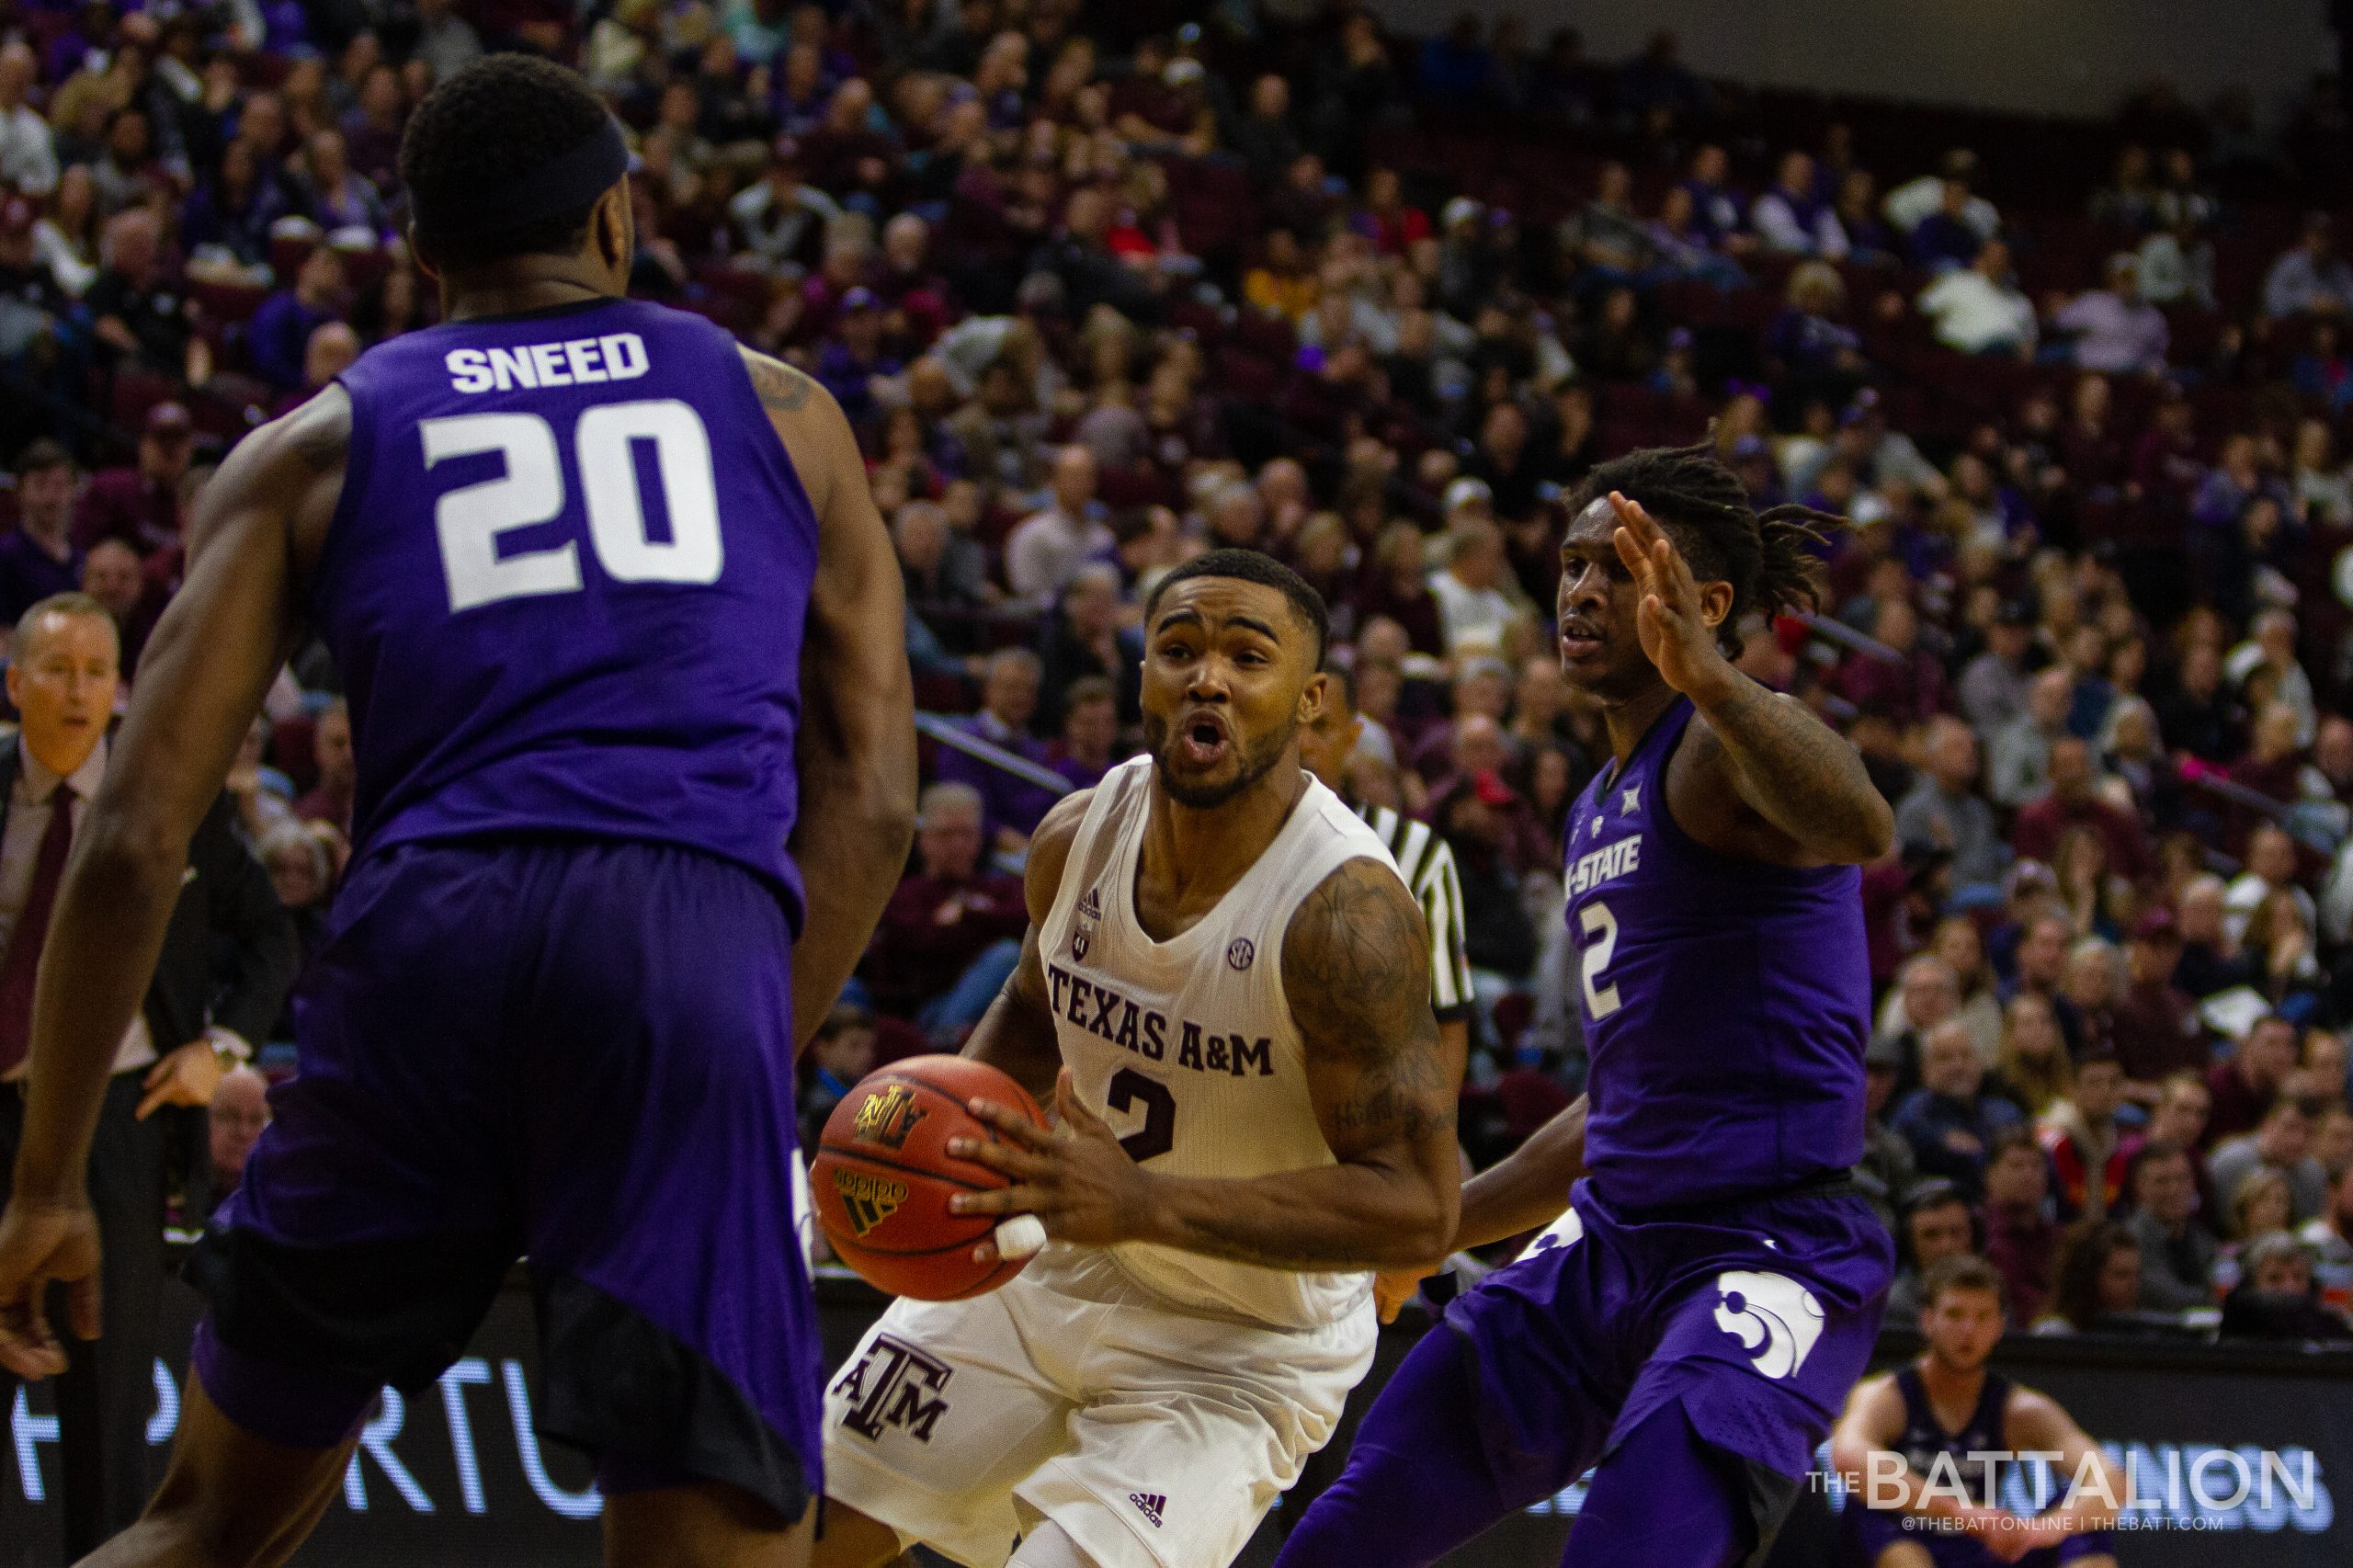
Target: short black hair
x: 40, y: 455
x: 1704, y: 508
x: 1253, y: 566
x: 495, y: 123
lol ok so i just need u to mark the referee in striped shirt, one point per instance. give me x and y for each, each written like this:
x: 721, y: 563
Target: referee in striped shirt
x: 1424, y: 858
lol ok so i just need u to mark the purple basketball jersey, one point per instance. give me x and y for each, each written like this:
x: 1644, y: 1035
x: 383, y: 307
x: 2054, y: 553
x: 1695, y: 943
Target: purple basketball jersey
x: 1726, y: 1002
x: 566, y: 588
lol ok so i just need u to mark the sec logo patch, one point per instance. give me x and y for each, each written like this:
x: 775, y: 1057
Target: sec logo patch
x: 1240, y: 954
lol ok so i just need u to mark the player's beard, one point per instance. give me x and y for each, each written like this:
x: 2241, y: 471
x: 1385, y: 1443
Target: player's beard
x: 1254, y: 763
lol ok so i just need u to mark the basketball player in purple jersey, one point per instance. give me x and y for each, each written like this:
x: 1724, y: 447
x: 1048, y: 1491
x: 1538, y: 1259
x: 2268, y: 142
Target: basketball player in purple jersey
x: 1693, y: 1320
x: 616, y: 615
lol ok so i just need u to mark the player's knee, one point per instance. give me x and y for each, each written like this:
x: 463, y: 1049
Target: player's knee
x: 1905, y: 1554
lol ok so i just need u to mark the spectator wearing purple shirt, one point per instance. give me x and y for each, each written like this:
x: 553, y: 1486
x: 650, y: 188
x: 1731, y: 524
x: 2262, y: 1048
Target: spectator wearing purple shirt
x: 2115, y: 330
x: 1011, y: 808
x: 38, y: 557
x: 1791, y: 219
x: 854, y: 358
x: 279, y: 334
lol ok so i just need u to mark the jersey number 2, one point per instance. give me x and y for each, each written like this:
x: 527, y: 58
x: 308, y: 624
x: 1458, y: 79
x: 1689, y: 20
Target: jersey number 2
x: 1158, y: 1134
x: 1601, y: 941
x: 470, y: 518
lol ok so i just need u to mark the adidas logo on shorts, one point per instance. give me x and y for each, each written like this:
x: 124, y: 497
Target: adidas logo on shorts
x: 1149, y: 1505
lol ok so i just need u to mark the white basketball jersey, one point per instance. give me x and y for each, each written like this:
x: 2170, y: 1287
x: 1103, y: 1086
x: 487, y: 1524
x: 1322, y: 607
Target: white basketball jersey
x: 1186, y: 1047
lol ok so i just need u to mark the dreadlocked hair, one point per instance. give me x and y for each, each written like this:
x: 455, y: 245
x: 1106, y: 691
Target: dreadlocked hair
x: 1768, y: 559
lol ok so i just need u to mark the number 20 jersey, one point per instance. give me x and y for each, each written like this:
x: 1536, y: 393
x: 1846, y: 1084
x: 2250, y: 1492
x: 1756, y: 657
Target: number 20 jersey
x: 1187, y: 1047
x: 566, y: 588
x: 1726, y: 1002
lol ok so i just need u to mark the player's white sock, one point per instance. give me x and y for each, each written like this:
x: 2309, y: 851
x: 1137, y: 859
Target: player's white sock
x: 1049, y: 1546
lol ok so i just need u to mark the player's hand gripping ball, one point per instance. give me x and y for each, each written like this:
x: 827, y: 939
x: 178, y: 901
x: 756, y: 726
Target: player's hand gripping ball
x: 882, y: 1178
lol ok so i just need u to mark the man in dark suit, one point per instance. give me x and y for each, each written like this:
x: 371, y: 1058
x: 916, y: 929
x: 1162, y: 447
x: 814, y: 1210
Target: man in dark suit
x: 227, y: 961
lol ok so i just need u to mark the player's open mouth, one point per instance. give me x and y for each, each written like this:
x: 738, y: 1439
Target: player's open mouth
x: 1205, y: 740
x: 1577, y: 643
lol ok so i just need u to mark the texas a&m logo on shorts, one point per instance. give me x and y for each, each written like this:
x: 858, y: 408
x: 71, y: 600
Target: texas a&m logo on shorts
x: 893, y: 1384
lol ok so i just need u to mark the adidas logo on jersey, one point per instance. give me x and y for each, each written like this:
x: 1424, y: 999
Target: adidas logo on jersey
x: 1090, y: 905
x: 1149, y: 1505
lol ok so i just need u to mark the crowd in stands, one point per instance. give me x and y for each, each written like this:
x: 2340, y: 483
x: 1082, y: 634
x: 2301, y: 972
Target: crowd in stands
x: 1103, y: 286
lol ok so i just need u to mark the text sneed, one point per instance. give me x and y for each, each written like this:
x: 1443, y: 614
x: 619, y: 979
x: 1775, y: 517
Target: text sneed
x: 617, y: 356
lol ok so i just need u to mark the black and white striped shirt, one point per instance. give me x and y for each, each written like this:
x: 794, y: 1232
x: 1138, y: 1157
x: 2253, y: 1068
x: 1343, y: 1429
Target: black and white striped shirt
x: 1427, y: 862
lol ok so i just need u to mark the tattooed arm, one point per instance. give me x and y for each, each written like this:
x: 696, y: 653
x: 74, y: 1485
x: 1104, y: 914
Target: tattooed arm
x: 1757, y: 775
x: 255, y: 530
x: 1803, y: 778
x: 1356, y: 967
x: 856, y: 753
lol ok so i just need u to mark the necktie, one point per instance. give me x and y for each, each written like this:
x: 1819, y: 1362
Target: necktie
x: 23, y: 963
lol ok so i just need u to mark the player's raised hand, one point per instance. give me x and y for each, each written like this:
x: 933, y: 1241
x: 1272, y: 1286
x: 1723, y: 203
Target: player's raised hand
x: 40, y: 1243
x: 1675, y: 636
x: 1076, y: 1179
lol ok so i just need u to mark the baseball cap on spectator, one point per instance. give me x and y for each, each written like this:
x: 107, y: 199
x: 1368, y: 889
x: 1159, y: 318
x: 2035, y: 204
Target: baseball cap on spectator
x: 1488, y: 785
x: 1750, y: 446
x: 2026, y: 876
x: 1468, y: 492
x: 169, y: 422
x: 859, y: 298
x: 2157, y: 926
x: 1458, y: 211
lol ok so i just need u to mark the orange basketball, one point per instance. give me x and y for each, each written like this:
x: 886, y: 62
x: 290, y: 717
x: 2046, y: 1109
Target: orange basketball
x: 883, y: 1177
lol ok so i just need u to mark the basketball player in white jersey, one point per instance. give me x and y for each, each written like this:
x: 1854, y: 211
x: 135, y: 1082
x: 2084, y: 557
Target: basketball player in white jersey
x: 1224, y: 997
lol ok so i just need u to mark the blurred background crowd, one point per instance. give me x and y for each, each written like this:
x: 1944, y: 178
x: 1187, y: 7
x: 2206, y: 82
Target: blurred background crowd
x: 1102, y: 287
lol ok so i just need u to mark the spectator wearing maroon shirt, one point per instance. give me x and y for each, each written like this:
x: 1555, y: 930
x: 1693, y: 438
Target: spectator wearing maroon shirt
x: 2072, y: 798
x: 140, y: 505
x: 2021, y: 1239
x: 38, y: 557
x: 2157, y: 1031
x: 952, y: 931
x: 2244, y: 1087
x: 1908, y: 688
x: 330, y: 800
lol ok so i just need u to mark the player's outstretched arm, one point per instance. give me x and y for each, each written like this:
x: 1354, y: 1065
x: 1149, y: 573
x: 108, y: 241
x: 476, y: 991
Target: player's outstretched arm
x: 1863, y: 1451
x: 856, y: 753
x: 1017, y: 1034
x: 1787, y: 767
x: 2035, y: 1423
x: 200, y: 682
x: 1524, y: 1191
x: 1356, y: 968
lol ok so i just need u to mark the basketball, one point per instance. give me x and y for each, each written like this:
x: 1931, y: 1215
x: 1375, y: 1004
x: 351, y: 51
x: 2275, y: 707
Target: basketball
x: 883, y: 1177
